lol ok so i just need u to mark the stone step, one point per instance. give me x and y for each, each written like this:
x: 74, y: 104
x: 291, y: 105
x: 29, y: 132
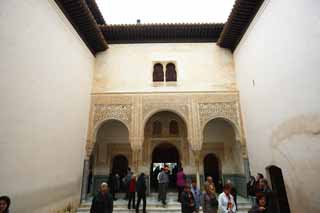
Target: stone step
x: 154, y: 206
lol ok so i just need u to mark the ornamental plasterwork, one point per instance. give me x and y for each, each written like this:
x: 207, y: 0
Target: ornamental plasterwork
x: 210, y: 111
x: 181, y: 109
x: 121, y: 112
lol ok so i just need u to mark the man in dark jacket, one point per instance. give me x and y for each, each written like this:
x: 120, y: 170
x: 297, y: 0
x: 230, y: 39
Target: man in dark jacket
x: 102, y: 202
x: 141, y: 188
x: 187, y: 200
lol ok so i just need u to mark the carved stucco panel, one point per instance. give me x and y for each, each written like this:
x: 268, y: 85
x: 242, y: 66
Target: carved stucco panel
x: 121, y: 112
x: 209, y: 111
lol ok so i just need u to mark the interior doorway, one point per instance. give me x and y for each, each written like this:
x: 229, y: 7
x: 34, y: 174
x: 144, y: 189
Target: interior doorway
x: 119, y: 165
x: 211, y: 168
x: 164, y: 154
x: 279, y: 189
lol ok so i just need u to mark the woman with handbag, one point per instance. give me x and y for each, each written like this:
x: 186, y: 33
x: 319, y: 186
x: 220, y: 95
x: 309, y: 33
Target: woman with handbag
x: 209, y: 200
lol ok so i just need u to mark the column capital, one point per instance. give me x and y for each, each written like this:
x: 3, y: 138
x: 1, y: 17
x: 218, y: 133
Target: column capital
x: 136, y: 143
x: 195, y: 145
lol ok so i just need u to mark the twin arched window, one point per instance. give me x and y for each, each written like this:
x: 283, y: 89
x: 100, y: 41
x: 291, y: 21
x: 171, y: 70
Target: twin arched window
x: 158, y: 73
x: 173, y: 128
x: 156, y: 128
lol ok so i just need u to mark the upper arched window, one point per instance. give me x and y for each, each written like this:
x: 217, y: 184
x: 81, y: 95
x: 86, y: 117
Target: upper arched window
x: 171, y: 74
x: 158, y: 74
x: 156, y: 128
x: 173, y: 128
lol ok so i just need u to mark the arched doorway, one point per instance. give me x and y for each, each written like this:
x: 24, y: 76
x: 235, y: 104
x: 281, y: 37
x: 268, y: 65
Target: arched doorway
x: 164, y: 154
x: 165, y: 139
x: 111, y: 153
x: 211, y: 168
x: 120, y: 165
x: 220, y: 137
x: 279, y: 189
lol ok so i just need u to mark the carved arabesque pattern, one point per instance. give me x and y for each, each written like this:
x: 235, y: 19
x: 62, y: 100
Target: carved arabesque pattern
x: 209, y: 111
x: 121, y: 112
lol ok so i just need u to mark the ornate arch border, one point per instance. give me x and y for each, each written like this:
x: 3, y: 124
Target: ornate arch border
x: 227, y: 111
x: 179, y: 110
x: 103, y: 113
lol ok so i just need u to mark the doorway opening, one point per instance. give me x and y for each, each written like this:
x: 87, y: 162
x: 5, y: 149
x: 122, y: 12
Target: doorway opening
x: 279, y: 189
x: 211, y: 168
x: 120, y: 165
x: 164, y: 154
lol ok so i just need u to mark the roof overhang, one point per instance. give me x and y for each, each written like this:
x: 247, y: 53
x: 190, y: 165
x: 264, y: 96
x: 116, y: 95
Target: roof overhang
x: 88, y: 21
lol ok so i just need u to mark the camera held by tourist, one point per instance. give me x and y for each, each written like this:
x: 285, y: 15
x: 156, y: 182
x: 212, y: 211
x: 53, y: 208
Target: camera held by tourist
x: 226, y: 201
x: 4, y: 204
x: 103, y: 201
x: 209, y: 200
x: 141, y: 188
x: 132, y: 192
x: 187, y: 200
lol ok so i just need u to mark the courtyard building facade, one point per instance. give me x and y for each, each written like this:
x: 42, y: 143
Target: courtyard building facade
x: 82, y: 99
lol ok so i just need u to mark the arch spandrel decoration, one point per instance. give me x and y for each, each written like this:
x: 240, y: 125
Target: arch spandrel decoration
x: 105, y: 112
x: 121, y: 112
x: 225, y: 110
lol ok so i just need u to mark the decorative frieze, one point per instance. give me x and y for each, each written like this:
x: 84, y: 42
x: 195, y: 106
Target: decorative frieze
x: 209, y: 111
x: 121, y: 112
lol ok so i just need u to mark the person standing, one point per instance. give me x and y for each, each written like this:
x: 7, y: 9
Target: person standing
x: 112, y: 184
x: 258, y: 178
x: 261, y: 206
x: 209, y: 183
x: 234, y: 193
x: 209, y: 201
x: 226, y: 202
x: 132, y: 192
x: 4, y: 204
x: 126, y: 181
x: 196, y: 194
x: 181, y: 182
x: 187, y: 200
x: 103, y: 201
x: 141, y: 188
x: 268, y: 194
x: 251, y: 192
x: 163, y: 185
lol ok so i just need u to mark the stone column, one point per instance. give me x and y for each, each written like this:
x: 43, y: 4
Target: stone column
x: 136, y: 148
x: 197, y: 164
x: 84, y: 189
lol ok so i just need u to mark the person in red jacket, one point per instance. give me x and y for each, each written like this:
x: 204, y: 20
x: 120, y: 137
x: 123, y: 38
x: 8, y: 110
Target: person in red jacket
x: 132, y: 192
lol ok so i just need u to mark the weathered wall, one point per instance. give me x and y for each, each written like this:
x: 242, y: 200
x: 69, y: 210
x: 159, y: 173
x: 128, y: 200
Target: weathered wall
x: 277, y: 68
x: 45, y: 83
x: 129, y: 67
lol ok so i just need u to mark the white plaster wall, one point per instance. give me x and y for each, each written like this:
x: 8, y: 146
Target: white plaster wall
x: 281, y: 110
x: 45, y: 84
x: 129, y: 67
